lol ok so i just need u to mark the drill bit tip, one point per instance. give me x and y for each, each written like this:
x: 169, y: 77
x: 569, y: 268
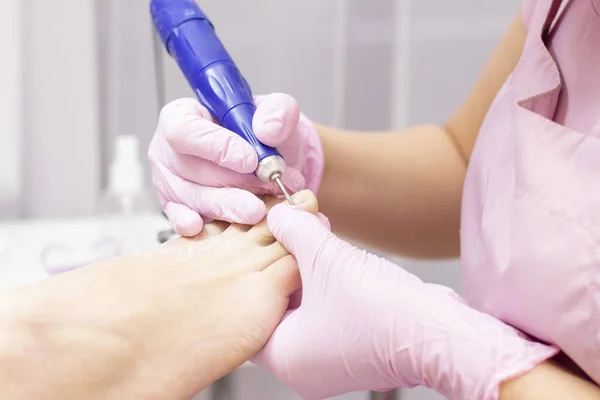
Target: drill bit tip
x: 277, y: 179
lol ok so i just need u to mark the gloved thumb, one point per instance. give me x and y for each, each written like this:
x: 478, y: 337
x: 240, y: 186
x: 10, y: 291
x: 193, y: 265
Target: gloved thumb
x: 299, y: 231
x: 276, y: 118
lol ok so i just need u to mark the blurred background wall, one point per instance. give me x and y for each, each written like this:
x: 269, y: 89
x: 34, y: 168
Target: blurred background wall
x: 76, y: 73
x: 11, y: 100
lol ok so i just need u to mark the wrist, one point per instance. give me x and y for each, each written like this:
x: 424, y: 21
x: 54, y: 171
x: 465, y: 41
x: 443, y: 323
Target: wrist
x: 548, y: 381
x: 478, y: 355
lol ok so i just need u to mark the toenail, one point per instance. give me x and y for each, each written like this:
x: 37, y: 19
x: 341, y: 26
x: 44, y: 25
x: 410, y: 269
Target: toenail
x: 301, y: 197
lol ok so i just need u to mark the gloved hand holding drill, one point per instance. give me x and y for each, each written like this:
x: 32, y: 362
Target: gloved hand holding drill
x: 202, y: 170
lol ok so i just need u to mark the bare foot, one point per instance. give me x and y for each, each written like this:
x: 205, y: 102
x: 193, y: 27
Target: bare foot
x: 163, y: 324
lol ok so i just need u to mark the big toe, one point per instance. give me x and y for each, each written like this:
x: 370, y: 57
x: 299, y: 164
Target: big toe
x: 304, y: 199
x: 307, y: 201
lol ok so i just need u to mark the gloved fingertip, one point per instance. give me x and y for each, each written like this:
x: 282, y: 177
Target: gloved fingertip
x: 269, y: 130
x: 188, y: 228
x: 299, y: 231
x: 279, y: 212
x: 324, y: 220
x: 286, y: 222
x: 275, y: 119
x: 184, y: 221
x: 187, y: 225
x: 278, y: 208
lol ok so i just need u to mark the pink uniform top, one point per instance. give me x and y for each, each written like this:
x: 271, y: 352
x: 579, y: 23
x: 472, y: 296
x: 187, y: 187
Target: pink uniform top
x: 530, y: 231
x: 574, y: 45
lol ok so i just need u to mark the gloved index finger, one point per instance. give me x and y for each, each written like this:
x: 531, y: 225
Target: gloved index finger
x: 189, y: 129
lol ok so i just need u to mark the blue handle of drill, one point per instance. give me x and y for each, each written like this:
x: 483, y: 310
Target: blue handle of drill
x: 191, y: 40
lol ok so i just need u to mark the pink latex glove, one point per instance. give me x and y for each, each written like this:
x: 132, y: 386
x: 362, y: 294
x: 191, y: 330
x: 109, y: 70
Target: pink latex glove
x: 203, y: 171
x: 365, y: 323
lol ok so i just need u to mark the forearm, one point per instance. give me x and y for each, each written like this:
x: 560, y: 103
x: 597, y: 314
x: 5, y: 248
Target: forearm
x: 549, y: 381
x: 400, y: 192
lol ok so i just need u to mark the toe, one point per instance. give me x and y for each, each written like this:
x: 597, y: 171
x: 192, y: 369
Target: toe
x: 238, y: 228
x: 214, y: 228
x: 269, y: 199
x: 263, y: 257
x: 285, y: 275
x: 305, y: 200
x: 210, y: 230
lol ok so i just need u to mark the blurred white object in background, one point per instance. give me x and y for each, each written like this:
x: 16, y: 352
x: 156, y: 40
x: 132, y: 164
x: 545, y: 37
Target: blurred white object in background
x: 126, y: 223
x: 126, y: 206
x: 125, y: 194
x: 36, y: 249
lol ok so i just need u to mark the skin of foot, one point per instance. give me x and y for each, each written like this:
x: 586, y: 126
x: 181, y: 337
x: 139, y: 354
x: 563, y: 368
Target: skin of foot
x: 156, y: 325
